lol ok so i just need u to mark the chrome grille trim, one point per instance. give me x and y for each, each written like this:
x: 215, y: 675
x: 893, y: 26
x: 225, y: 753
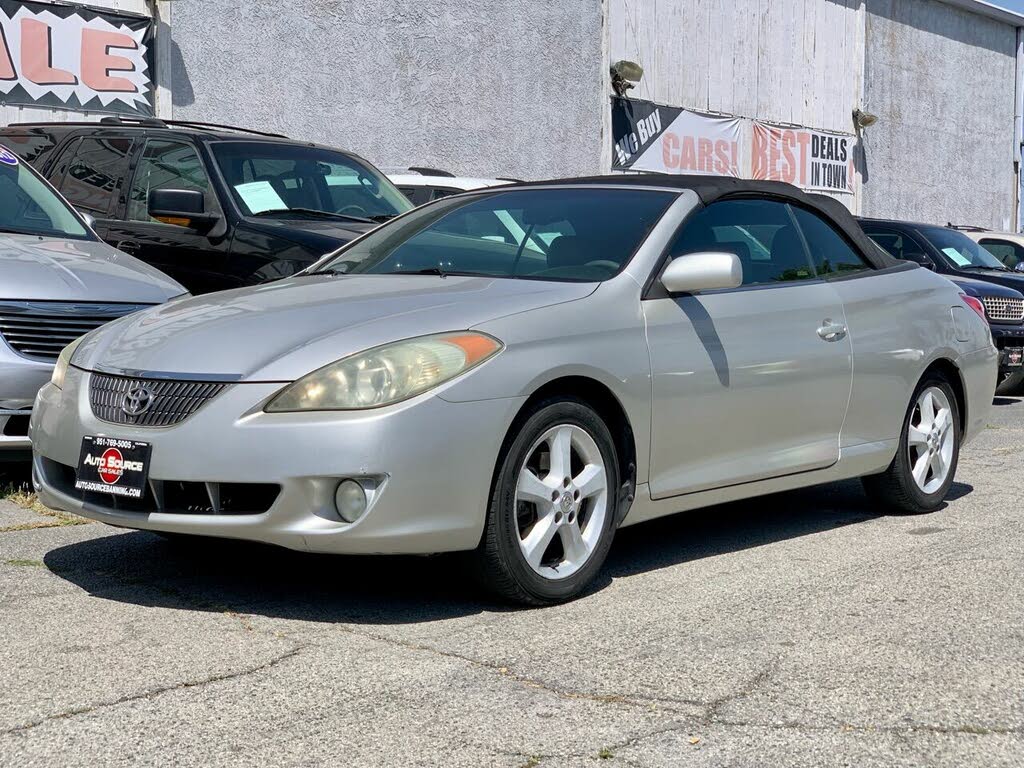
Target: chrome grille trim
x: 173, y: 401
x: 1003, y: 309
x: 41, y: 329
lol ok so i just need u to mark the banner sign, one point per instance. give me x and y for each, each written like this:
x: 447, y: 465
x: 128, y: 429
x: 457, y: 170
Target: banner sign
x: 809, y: 159
x: 652, y: 137
x: 74, y: 57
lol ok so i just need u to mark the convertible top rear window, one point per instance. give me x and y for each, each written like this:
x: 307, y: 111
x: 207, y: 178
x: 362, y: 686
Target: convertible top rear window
x: 570, y: 234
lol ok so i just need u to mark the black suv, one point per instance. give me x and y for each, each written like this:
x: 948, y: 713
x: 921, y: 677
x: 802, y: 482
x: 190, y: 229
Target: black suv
x: 978, y: 273
x: 214, y: 207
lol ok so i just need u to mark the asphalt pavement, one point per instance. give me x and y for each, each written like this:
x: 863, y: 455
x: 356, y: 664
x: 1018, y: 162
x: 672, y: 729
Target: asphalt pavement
x: 801, y: 629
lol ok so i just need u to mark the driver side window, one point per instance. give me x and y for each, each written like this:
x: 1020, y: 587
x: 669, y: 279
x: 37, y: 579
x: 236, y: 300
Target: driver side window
x: 761, y: 233
x: 166, y: 165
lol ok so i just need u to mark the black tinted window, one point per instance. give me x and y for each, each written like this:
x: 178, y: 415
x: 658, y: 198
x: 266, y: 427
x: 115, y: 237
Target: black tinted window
x: 583, y: 235
x: 95, y: 173
x: 897, y: 244
x: 30, y: 148
x: 830, y: 252
x: 760, y: 232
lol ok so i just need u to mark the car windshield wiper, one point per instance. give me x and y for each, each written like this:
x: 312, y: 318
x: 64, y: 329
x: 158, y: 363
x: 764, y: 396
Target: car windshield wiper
x: 314, y: 212
x: 382, y: 216
x: 987, y: 268
x: 439, y: 271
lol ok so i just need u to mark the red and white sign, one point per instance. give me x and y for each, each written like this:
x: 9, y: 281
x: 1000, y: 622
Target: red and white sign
x: 110, y: 467
x: 653, y: 137
x: 807, y: 158
x: 74, y: 57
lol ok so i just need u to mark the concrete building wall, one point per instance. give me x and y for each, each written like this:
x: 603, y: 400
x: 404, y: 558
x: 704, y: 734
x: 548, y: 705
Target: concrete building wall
x: 941, y: 82
x: 479, y: 87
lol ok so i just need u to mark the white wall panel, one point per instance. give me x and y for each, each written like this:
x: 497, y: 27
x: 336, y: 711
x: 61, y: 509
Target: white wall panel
x: 792, y: 61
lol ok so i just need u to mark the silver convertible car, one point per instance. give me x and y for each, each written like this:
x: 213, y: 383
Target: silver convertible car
x: 518, y: 371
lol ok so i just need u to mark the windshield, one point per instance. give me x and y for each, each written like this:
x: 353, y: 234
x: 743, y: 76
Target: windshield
x: 287, y: 179
x: 960, y: 250
x: 574, y: 234
x: 29, y: 207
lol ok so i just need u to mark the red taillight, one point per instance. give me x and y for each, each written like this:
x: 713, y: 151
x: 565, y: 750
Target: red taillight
x: 974, y: 304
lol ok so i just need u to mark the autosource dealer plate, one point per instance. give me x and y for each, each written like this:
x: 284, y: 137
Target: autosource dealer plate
x: 109, y: 465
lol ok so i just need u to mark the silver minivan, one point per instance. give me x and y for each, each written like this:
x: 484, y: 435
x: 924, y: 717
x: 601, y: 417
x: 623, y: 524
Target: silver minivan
x: 58, y: 280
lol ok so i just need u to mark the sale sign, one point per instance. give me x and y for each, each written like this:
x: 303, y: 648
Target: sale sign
x: 74, y: 57
x: 652, y: 137
x: 807, y: 158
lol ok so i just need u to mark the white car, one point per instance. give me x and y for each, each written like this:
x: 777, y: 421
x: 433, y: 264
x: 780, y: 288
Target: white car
x: 421, y: 185
x: 1008, y: 247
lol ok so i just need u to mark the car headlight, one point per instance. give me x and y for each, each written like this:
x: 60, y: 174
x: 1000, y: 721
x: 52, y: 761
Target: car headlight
x: 60, y: 370
x: 386, y: 374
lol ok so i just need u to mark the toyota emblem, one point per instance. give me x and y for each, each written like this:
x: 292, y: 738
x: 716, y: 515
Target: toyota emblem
x: 137, y: 401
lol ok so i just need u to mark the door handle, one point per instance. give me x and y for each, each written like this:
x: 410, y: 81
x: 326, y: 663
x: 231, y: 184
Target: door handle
x: 128, y: 246
x: 830, y: 331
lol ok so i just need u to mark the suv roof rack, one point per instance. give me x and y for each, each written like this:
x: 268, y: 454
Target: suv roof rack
x: 422, y: 170
x: 509, y: 178
x: 965, y: 227
x: 223, y: 127
x: 154, y: 122
x: 149, y: 122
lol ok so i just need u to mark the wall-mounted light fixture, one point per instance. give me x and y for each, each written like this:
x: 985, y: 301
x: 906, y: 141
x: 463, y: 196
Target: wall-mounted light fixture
x: 863, y: 119
x: 625, y: 75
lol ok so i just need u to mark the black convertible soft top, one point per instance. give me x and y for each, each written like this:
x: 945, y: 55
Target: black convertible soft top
x: 712, y: 188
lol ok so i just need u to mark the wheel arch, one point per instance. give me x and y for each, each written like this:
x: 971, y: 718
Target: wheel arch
x: 604, y: 402
x: 952, y: 373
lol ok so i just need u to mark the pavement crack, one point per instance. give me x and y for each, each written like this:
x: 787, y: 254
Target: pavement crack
x: 622, y: 699
x: 154, y: 692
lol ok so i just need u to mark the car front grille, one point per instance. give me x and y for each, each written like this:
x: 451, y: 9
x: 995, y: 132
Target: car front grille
x: 180, y: 497
x: 167, y: 402
x: 1002, y: 309
x: 41, y: 329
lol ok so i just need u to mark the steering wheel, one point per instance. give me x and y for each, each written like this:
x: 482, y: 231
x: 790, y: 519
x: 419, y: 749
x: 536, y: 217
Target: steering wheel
x: 359, y: 210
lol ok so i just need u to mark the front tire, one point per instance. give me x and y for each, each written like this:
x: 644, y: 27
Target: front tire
x: 553, y: 508
x: 922, y: 471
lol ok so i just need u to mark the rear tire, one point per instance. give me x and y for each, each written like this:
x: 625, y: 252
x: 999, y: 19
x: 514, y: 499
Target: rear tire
x: 553, y: 508
x: 922, y: 471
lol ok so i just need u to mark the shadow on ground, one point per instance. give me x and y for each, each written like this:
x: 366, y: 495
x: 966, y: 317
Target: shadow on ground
x: 221, y: 575
x: 1007, y: 401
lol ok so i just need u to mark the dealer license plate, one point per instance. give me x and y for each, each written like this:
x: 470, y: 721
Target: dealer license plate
x: 110, y: 465
x: 1014, y: 356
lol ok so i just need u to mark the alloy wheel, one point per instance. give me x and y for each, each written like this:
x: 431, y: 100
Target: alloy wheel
x: 561, y: 501
x: 930, y: 438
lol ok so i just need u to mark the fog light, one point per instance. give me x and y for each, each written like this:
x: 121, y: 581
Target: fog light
x: 350, y: 499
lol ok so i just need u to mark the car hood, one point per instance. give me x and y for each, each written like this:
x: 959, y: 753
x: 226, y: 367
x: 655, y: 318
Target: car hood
x: 1014, y: 280
x: 320, y: 235
x: 979, y: 288
x: 58, y: 269
x: 283, y: 330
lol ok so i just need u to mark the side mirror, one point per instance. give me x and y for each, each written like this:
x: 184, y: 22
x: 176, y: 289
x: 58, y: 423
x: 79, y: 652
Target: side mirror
x: 702, y: 271
x: 924, y: 260
x: 88, y: 218
x: 183, y: 207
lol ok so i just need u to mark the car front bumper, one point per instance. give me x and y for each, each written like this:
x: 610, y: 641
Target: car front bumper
x: 433, y: 461
x: 1007, y: 337
x: 20, y: 380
